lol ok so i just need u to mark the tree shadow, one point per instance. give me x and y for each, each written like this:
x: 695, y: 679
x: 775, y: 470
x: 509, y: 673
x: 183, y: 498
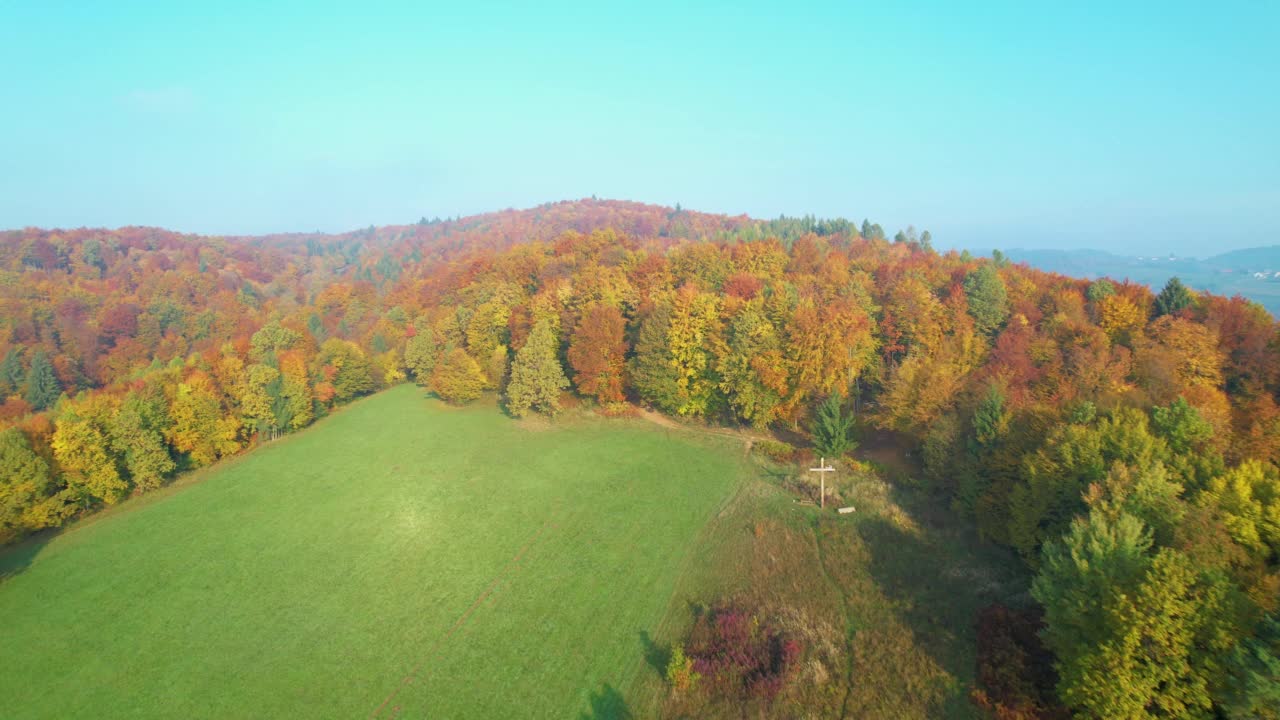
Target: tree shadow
x: 937, y: 582
x: 776, y: 474
x: 655, y: 655
x: 16, y: 559
x: 607, y: 704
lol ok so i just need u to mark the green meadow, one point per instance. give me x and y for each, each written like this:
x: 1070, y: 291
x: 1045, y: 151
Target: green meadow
x: 398, y: 559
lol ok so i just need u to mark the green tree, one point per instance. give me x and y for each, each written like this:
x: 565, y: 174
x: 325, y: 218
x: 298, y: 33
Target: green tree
x: 42, y: 385
x: 653, y: 369
x: 1253, y: 677
x: 420, y: 353
x: 990, y: 419
x: 12, y: 375
x: 91, y: 256
x: 257, y: 402
x: 315, y: 326
x: 988, y: 299
x: 270, y: 340
x: 536, y: 376
x: 1100, y: 289
x: 833, y: 428
x: 1051, y: 492
x: 457, y: 378
x: 1133, y: 633
x: 137, y: 434
x: 1192, y: 459
x: 975, y: 472
x: 352, y: 371
x: 1079, y: 575
x: 1181, y: 426
x: 1173, y: 298
x: 1247, y: 501
x: 1056, y: 477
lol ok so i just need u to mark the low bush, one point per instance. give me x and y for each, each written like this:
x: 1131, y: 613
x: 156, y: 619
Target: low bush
x: 680, y: 672
x: 774, y: 450
x: 740, y: 655
x: 619, y: 409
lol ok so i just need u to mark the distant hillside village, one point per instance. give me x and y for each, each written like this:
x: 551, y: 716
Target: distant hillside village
x: 1253, y: 273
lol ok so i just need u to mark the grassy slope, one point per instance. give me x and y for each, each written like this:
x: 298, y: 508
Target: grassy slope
x: 470, y: 565
x: 894, y: 588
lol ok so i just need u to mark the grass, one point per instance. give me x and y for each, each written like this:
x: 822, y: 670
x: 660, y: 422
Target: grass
x: 404, y: 559
x: 399, y: 559
x: 885, y: 598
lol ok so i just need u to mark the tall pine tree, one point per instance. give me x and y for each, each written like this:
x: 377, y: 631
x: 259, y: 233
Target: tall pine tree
x: 1173, y: 298
x: 833, y: 428
x: 42, y: 385
x: 988, y: 299
x: 12, y: 376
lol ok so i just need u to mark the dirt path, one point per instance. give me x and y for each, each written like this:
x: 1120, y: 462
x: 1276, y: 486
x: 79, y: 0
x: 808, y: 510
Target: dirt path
x: 748, y: 437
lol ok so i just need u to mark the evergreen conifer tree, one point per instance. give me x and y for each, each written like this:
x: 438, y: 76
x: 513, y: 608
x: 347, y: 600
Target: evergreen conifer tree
x: 42, y: 385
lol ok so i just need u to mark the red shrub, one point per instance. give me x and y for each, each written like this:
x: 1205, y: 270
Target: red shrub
x: 739, y: 655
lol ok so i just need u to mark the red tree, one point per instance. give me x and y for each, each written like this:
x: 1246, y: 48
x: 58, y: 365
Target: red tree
x: 596, y: 353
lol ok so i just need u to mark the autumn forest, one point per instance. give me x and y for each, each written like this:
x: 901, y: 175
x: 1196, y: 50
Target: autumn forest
x: 1122, y: 443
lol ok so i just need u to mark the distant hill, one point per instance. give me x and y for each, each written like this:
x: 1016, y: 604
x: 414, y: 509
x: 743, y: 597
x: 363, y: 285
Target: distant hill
x: 1250, y: 258
x: 1253, y: 273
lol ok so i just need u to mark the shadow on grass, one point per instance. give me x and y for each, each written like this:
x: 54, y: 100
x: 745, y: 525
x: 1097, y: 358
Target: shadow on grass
x: 938, y: 580
x: 18, y: 558
x: 607, y: 704
x: 657, y: 656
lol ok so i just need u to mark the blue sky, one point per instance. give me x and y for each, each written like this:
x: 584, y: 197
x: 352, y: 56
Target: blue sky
x: 1141, y: 127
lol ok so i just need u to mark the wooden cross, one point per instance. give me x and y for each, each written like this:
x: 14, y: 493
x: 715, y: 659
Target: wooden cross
x: 822, y: 470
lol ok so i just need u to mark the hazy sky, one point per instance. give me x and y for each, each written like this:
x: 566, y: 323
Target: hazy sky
x: 1130, y: 126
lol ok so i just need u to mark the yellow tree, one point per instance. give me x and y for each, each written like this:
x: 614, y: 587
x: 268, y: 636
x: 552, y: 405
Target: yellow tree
x: 927, y: 382
x: 295, y: 391
x: 753, y: 375
x: 695, y: 341
x: 82, y: 447
x: 457, y: 378
x: 1119, y: 316
x: 1180, y: 357
x: 828, y: 347
x: 199, y: 427
x: 256, y: 401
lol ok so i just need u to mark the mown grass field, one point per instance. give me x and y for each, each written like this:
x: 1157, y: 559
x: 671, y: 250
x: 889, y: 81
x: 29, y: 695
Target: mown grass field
x: 399, y: 559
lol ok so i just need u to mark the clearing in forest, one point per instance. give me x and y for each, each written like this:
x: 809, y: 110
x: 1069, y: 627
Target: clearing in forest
x: 399, y: 559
